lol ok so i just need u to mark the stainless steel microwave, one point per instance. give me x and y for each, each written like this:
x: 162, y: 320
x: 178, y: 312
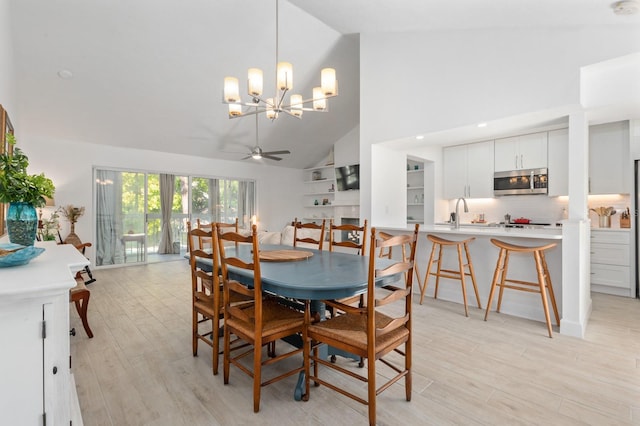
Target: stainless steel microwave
x: 521, y: 182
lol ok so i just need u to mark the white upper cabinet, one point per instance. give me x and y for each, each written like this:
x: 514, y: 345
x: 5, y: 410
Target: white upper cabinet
x: 558, y: 162
x: 609, y: 159
x: 468, y: 170
x: 521, y: 152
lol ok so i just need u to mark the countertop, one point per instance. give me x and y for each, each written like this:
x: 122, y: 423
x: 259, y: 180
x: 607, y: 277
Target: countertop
x: 549, y: 233
x: 52, y: 270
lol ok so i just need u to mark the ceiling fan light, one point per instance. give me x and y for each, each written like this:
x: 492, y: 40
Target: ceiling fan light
x: 255, y: 81
x: 328, y: 81
x: 319, y: 101
x: 231, y: 90
x: 235, y: 110
x: 256, y: 156
x: 284, y: 72
x: 296, y: 105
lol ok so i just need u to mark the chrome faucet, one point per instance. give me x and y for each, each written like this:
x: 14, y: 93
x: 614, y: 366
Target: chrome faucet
x: 466, y: 210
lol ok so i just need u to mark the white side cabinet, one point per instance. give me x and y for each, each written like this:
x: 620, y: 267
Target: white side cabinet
x: 36, y: 386
x: 468, y: 170
x: 558, y: 162
x: 521, y: 152
x: 609, y: 159
x: 611, y: 262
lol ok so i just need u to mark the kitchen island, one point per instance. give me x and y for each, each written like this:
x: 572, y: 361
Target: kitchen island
x: 484, y: 256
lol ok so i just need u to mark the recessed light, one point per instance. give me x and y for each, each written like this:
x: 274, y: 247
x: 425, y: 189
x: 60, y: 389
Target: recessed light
x: 482, y: 124
x: 65, y: 74
x: 420, y: 137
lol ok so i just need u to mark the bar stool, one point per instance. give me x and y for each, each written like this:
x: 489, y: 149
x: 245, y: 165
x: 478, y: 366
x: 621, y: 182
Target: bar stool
x: 544, y: 279
x: 439, y: 243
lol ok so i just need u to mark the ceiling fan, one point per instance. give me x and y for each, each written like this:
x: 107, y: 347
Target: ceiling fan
x: 257, y: 152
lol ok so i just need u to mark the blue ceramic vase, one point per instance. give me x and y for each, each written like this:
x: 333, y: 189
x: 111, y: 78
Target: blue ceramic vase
x: 22, y: 223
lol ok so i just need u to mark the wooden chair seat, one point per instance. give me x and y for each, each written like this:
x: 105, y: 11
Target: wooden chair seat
x: 80, y: 295
x: 276, y: 319
x: 354, y: 329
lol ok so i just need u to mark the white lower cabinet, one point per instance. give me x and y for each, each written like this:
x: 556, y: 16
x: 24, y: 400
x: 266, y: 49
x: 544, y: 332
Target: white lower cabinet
x: 611, y: 262
x: 36, y: 387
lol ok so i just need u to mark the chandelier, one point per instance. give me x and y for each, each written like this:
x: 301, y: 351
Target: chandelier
x: 273, y: 106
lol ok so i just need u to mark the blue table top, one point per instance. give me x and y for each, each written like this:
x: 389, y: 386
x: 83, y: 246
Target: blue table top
x: 325, y: 275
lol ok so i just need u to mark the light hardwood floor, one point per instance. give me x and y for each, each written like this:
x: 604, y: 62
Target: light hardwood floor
x: 139, y: 370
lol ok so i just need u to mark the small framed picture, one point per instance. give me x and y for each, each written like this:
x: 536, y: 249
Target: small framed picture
x: 325, y: 201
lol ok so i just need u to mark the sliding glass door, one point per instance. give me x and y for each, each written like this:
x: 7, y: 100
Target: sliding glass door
x: 142, y: 217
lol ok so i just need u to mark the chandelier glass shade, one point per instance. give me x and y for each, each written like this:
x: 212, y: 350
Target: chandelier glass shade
x: 282, y: 100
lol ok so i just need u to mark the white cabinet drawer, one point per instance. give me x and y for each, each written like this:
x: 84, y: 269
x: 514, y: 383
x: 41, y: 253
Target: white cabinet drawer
x: 610, y: 275
x: 611, y: 237
x: 612, y: 254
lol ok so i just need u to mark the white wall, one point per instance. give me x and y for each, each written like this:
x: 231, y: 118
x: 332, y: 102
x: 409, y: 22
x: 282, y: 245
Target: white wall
x: 70, y: 166
x: 7, y: 72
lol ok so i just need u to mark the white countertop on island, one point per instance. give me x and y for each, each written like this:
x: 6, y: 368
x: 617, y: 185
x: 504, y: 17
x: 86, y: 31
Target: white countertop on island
x: 547, y: 233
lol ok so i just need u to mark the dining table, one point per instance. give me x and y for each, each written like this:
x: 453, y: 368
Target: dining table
x: 313, y: 275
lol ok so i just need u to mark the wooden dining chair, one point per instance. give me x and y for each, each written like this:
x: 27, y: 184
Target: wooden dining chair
x: 366, y: 331
x: 80, y: 295
x: 258, y: 324
x: 206, y: 296
x: 300, y: 236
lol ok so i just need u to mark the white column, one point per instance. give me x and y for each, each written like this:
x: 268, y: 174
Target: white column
x: 576, y: 285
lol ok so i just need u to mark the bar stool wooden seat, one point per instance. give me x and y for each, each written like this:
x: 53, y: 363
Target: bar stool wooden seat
x: 439, y: 244
x: 541, y: 286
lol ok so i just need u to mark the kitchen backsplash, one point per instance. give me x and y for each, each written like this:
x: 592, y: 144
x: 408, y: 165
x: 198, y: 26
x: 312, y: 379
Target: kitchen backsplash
x: 537, y: 208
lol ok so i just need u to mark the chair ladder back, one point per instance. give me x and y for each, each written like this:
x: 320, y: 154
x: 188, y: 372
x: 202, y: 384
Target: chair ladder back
x: 234, y: 286
x: 395, y: 293
x: 309, y: 240
x: 361, y: 247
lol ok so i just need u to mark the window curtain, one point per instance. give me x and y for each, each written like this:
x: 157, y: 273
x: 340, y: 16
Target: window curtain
x: 108, y: 217
x: 167, y: 189
x: 246, y: 202
x: 214, y: 200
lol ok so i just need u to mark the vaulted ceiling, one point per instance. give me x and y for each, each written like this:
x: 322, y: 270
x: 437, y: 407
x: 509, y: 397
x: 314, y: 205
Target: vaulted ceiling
x: 148, y: 73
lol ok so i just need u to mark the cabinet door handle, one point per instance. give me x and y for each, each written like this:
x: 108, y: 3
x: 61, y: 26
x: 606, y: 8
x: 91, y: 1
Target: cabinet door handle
x: 521, y: 162
x: 516, y: 161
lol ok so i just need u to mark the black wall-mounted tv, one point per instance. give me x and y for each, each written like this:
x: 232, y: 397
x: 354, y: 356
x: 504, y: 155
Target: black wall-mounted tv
x: 348, y: 177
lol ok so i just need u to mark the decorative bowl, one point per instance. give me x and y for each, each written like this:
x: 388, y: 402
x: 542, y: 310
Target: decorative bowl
x: 16, y: 254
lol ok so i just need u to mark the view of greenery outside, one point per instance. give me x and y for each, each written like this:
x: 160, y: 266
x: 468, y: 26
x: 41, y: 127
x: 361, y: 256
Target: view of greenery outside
x: 204, y: 205
x: 133, y: 202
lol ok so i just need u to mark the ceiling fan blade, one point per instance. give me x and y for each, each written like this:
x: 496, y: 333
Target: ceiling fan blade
x: 270, y: 157
x: 277, y: 152
x: 246, y: 158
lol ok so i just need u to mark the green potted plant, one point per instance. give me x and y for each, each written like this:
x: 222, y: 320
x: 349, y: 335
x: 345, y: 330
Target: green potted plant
x: 23, y: 192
